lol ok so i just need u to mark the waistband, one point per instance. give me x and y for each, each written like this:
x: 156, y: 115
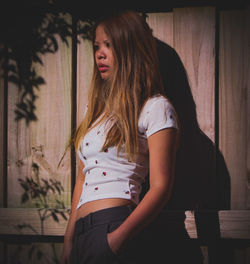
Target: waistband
x: 104, y: 216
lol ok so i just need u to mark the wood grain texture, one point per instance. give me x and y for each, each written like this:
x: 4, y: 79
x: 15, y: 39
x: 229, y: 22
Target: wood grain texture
x: 233, y: 102
x: 34, y: 253
x: 248, y: 108
x: 85, y: 63
x: 234, y: 224
x: 190, y: 224
x: 162, y: 26
x: 2, y: 139
x: 27, y: 221
x: 52, y: 132
x: 2, y: 128
x: 194, y: 41
x: 19, y: 161
x: 43, y: 142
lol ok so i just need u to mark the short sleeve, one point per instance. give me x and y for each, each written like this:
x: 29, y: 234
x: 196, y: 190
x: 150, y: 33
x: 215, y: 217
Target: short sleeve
x: 158, y: 114
x: 80, y: 155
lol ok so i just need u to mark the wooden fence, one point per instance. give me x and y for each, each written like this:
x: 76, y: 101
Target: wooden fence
x: 213, y: 46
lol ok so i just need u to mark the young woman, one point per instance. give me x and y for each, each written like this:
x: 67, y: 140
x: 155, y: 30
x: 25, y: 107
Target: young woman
x: 129, y: 129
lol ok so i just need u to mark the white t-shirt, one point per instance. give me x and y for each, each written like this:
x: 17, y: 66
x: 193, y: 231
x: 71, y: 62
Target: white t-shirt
x: 110, y: 176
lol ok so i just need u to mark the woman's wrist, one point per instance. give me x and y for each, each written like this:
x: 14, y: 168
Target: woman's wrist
x: 116, y: 241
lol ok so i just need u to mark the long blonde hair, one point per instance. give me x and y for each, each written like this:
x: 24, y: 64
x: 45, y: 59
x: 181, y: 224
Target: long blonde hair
x: 135, y: 78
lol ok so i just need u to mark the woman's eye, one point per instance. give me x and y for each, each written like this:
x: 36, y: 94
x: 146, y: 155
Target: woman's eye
x: 108, y: 44
x: 96, y: 47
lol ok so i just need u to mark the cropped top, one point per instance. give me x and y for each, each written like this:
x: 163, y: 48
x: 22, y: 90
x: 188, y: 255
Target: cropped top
x: 110, y: 176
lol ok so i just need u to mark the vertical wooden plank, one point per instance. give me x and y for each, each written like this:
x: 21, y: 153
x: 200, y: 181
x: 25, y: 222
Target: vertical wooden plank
x: 162, y: 26
x: 234, y: 108
x: 233, y: 101
x: 205, y: 254
x: 248, y: 108
x: 194, y: 41
x: 85, y: 63
x: 2, y: 129
x: 51, y: 134
x: 19, y: 162
x: 43, y: 142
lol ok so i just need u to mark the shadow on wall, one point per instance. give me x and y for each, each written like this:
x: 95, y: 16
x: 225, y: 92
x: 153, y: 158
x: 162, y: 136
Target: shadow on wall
x: 198, y: 183
x: 29, y: 32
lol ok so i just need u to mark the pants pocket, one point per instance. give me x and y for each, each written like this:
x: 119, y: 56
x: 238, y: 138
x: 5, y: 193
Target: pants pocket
x: 110, y: 228
x: 93, y: 247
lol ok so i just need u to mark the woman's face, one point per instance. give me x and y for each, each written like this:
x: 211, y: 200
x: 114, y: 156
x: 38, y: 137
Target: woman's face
x: 103, y: 53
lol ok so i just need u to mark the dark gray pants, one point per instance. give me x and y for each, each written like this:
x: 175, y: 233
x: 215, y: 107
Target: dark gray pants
x: 90, y: 244
x: 163, y: 241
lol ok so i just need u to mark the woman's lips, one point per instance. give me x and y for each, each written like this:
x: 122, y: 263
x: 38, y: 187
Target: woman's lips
x: 102, y: 67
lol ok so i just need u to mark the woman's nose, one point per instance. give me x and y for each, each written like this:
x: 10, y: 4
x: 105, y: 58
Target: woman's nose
x: 101, y: 54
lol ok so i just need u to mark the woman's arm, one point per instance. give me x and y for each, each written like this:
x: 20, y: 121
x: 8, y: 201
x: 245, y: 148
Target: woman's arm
x: 162, y: 154
x: 68, y: 237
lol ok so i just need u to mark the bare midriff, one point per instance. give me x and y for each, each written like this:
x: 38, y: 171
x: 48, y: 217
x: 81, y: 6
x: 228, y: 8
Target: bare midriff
x: 93, y: 206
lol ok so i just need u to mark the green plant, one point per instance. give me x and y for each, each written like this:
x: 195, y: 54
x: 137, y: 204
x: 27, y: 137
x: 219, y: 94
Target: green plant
x: 42, y: 191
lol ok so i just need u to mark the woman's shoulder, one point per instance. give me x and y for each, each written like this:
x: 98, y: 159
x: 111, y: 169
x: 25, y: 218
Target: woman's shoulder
x: 157, y: 113
x: 157, y: 105
x: 156, y: 100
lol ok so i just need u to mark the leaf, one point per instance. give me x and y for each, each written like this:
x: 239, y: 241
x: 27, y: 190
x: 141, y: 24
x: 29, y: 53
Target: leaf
x: 54, y: 216
x: 64, y: 216
x: 54, y: 41
x: 58, y: 189
x: 39, y: 81
x: 49, y: 187
x: 35, y: 166
x: 36, y: 58
x: 45, y: 182
x: 25, y: 197
x: 14, y: 79
x: 24, y: 185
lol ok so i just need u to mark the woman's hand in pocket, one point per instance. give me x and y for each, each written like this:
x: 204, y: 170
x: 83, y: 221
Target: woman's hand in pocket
x: 115, y: 242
